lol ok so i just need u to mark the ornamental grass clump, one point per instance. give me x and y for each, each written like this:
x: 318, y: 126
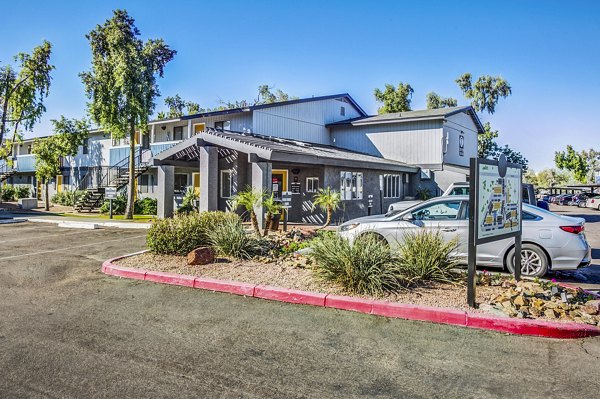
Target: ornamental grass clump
x: 231, y: 239
x: 425, y: 256
x: 183, y: 233
x: 368, y: 266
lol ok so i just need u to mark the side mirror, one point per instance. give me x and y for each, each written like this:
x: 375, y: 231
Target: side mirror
x: 408, y: 217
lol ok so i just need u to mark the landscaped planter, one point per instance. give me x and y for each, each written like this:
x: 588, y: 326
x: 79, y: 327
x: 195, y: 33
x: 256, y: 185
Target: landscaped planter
x: 335, y: 298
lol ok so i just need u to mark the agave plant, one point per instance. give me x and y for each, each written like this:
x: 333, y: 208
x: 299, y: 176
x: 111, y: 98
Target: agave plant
x: 329, y: 201
x: 273, y: 208
x: 249, y: 199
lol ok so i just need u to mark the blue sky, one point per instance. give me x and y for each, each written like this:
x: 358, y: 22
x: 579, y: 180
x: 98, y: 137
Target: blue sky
x: 548, y: 50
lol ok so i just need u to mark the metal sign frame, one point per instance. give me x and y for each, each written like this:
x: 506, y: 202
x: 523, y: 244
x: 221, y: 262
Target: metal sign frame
x: 474, y: 239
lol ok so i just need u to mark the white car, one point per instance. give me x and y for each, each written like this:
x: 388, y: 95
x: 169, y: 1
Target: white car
x: 550, y: 241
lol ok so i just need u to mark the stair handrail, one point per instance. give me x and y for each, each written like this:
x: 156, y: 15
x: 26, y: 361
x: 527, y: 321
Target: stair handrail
x: 120, y: 168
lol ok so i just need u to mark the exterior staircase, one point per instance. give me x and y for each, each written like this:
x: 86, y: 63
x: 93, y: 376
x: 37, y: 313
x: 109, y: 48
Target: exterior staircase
x: 6, y: 171
x: 116, y: 176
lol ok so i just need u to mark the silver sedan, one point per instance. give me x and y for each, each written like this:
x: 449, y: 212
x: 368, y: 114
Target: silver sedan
x: 550, y: 241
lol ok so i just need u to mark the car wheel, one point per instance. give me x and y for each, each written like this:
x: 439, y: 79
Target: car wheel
x: 534, y: 261
x: 376, y: 236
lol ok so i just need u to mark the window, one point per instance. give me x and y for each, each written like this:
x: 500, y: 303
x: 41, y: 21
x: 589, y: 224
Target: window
x: 223, y: 125
x: 343, y: 111
x: 226, y: 183
x: 391, y: 186
x: 448, y: 210
x: 312, y: 184
x: 178, y: 133
x: 67, y: 180
x: 199, y: 127
x: 351, y: 185
x: 181, y: 182
x: 85, y: 147
x: 145, y: 183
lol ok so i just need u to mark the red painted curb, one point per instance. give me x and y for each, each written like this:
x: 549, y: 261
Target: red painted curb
x: 381, y: 308
x: 170, y: 278
x: 423, y: 313
x: 232, y: 287
x: 291, y: 296
x: 349, y: 303
x: 531, y: 327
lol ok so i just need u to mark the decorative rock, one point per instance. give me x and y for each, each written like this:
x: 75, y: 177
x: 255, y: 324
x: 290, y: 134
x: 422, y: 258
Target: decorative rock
x: 595, y: 304
x: 549, y: 313
x: 520, y: 301
x: 201, y: 256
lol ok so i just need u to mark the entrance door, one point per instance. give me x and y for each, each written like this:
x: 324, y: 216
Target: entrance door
x: 279, y: 182
x: 59, y: 183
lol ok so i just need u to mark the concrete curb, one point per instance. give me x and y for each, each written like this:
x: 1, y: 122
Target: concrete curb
x: 380, y: 308
x: 86, y: 224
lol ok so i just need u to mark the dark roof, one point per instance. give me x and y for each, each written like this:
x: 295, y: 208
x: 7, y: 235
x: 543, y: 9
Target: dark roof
x: 411, y: 116
x: 281, y: 150
x: 270, y: 105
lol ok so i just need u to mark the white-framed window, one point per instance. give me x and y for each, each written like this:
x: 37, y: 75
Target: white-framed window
x: 312, y: 184
x: 226, y: 183
x: 343, y: 111
x: 223, y: 125
x: 351, y: 185
x: 391, y: 186
x: 181, y: 182
x: 178, y: 133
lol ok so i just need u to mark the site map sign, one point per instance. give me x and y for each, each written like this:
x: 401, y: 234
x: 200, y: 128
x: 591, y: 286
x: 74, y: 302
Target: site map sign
x: 498, y: 202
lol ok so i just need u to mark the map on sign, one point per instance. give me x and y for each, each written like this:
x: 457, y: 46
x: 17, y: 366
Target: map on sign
x: 499, y: 209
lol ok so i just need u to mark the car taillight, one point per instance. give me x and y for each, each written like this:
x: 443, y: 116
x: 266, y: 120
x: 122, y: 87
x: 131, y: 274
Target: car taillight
x: 572, y: 229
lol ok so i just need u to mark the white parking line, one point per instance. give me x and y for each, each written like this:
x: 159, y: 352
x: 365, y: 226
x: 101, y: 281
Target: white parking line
x: 66, y: 249
x: 35, y: 238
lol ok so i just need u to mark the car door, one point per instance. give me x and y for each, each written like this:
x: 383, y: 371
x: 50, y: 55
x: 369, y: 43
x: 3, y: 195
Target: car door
x: 449, y: 218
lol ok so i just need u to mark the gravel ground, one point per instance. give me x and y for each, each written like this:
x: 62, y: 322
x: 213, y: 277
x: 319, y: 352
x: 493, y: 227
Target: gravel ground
x: 287, y: 276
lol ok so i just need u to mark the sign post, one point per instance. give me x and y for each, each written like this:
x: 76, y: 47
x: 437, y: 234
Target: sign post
x: 110, y: 193
x: 286, y: 202
x: 495, y: 211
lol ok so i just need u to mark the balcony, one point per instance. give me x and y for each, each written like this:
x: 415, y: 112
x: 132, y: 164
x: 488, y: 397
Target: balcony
x: 157, y: 148
x: 25, y: 163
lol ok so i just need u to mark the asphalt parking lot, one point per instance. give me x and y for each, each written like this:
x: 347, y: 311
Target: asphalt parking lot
x: 68, y: 331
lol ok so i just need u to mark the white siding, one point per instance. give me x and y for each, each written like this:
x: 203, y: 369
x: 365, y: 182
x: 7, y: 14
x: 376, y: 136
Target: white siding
x: 304, y: 121
x: 98, y: 152
x: 454, y: 125
x: 240, y: 122
x: 417, y: 143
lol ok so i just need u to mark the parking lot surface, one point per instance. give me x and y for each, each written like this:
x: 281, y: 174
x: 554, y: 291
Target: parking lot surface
x: 68, y: 331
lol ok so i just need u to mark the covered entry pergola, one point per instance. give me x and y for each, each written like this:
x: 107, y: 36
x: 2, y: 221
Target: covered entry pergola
x: 229, y: 161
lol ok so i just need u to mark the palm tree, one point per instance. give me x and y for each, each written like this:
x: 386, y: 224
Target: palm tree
x: 249, y: 199
x: 329, y: 201
x: 273, y: 208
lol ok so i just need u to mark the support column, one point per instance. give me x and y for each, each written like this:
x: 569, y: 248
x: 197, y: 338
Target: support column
x: 261, y: 181
x: 190, y: 134
x: 209, y: 178
x: 165, y: 188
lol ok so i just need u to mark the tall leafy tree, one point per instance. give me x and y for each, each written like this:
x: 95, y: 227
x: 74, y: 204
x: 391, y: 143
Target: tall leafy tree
x: 48, y: 151
x: 487, y: 147
x: 178, y: 107
x: 22, y: 93
x: 394, y: 99
x: 576, y: 162
x: 485, y: 92
x: 435, y: 101
x: 121, y: 84
x: 547, y: 178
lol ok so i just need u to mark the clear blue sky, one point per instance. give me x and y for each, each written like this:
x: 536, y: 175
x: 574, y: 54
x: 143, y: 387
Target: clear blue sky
x: 548, y: 50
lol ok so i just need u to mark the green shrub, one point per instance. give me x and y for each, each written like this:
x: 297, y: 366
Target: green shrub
x: 22, y: 192
x: 67, y: 198
x: 367, y: 266
x: 231, y: 239
x: 424, y: 256
x: 118, y: 205
x: 146, y: 206
x: 181, y: 234
x: 8, y: 193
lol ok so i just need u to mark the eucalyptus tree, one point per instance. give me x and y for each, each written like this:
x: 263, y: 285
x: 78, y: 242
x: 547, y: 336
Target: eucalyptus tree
x: 394, y: 99
x: 178, y: 107
x: 121, y: 83
x: 435, y: 101
x: 23, y: 89
x: 48, y: 151
x: 583, y: 164
x: 485, y: 92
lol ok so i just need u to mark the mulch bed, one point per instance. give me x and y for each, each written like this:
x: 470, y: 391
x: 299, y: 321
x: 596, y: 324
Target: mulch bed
x: 290, y: 275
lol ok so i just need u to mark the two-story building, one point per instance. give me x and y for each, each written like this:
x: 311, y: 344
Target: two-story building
x: 295, y: 146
